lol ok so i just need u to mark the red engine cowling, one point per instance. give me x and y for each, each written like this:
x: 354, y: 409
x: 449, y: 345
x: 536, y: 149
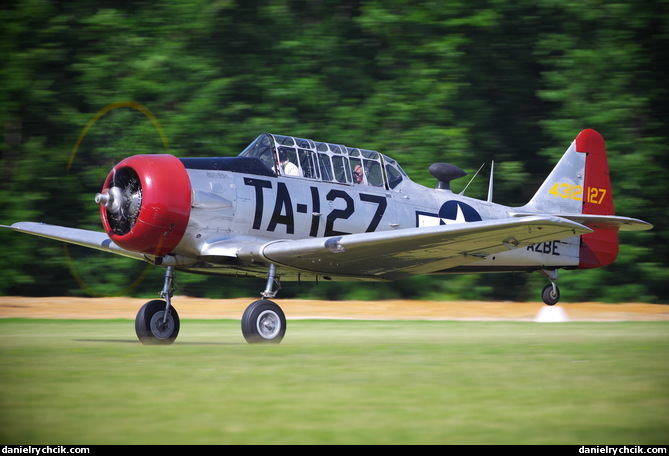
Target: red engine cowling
x: 145, y: 203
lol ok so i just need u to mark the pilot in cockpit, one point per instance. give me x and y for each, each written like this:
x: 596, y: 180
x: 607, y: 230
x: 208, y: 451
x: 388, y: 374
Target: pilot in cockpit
x: 289, y: 168
x: 357, y: 174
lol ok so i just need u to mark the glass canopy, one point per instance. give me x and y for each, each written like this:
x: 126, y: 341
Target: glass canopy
x: 327, y: 162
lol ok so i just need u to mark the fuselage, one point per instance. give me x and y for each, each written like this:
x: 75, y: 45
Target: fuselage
x: 220, y: 215
x: 243, y: 198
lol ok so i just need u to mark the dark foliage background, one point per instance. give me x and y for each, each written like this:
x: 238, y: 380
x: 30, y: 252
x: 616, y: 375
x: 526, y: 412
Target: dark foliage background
x: 460, y: 81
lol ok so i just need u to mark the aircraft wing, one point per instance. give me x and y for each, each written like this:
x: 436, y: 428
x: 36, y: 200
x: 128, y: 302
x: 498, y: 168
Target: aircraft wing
x: 387, y: 255
x: 397, y: 254
x: 93, y: 239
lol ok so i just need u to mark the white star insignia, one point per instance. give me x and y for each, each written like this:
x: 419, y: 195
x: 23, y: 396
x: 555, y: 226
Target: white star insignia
x: 459, y: 218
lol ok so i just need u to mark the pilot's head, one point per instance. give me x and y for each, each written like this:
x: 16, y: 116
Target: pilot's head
x: 357, y: 174
x: 283, y: 154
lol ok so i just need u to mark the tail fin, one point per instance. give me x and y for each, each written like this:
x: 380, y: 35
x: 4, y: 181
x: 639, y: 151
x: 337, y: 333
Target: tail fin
x: 580, y: 184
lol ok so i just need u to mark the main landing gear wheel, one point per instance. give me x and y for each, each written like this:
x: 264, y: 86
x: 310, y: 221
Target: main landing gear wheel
x: 263, y: 322
x: 551, y: 294
x: 153, y: 328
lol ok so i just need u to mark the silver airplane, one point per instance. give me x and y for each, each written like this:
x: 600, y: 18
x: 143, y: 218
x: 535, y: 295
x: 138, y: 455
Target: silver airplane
x: 295, y: 209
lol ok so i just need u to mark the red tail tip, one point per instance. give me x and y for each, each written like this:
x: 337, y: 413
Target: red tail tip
x: 601, y: 247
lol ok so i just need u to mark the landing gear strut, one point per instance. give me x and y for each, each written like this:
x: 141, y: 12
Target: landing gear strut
x: 264, y: 321
x: 157, y: 322
x: 551, y: 293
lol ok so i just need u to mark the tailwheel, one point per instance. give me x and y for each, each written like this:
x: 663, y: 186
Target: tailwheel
x: 154, y: 327
x: 551, y: 294
x: 263, y: 322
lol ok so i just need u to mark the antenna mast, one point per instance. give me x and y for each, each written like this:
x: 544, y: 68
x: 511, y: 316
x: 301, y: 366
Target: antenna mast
x: 492, y: 167
x: 470, y: 180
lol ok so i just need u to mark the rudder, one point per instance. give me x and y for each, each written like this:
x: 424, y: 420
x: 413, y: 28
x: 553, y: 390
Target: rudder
x: 600, y: 247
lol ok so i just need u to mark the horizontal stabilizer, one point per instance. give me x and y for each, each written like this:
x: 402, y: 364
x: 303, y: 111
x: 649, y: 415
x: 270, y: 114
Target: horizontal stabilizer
x: 604, y: 222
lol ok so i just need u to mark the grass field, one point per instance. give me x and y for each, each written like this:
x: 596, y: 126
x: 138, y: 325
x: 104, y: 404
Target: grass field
x: 336, y: 382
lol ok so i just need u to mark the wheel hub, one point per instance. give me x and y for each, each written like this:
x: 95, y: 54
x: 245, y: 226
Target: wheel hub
x: 269, y: 324
x: 160, y: 327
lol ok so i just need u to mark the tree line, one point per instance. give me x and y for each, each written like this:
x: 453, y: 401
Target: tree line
x: 465, y: 82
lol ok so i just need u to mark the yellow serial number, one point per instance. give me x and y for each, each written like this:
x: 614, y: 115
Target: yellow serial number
x: 593, y: 195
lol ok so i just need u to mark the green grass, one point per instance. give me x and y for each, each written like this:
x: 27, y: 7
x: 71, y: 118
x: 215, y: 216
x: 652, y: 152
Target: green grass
x: 336, y: 382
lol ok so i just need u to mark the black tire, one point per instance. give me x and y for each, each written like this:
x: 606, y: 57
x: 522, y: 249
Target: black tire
x: 549, y: 296
x: 263, y: 322
x: 149, y: 324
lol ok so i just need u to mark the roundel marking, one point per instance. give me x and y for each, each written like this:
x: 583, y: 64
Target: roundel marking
x: 457, y: 212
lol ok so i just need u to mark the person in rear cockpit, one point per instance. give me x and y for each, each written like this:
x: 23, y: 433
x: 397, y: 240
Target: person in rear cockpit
x: 357, y: 174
